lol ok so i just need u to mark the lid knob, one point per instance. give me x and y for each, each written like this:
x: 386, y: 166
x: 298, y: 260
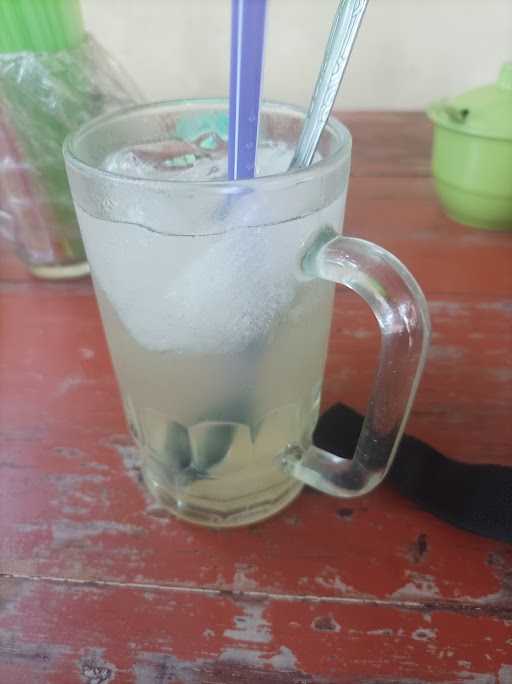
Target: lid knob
x: 505, y: 77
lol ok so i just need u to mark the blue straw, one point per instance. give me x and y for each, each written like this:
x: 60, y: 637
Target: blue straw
x: 247, y: 36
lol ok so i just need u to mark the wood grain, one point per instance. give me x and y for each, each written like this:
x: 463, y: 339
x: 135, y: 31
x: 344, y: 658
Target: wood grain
x: 98, y: 584
x: 105, y: 633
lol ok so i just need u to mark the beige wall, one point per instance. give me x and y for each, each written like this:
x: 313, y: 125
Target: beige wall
x: 408, y: 51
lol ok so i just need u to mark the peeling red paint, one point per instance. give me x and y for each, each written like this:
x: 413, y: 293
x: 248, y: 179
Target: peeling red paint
x: 329, y: 592
x: 137, y: 633
x: 418, y: 549
x: 325, y: 623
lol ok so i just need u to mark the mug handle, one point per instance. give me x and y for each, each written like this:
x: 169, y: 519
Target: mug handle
x: 402, y: 314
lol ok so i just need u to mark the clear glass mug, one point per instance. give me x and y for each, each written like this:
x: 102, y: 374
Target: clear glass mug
x: 216, y: 298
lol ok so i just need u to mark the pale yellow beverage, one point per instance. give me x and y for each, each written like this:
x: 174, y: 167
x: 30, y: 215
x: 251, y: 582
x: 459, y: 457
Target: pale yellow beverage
x: 220, y: 372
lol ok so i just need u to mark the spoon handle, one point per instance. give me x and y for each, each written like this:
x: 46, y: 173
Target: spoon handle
x: 343, y: 33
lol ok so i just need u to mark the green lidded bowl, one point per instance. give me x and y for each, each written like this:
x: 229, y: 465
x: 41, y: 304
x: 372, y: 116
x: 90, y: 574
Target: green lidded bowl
x: 472, y: 154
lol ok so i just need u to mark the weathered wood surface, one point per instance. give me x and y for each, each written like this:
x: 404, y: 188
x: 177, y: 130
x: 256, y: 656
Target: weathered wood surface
x: 99, y: 585
x: 72, y: 632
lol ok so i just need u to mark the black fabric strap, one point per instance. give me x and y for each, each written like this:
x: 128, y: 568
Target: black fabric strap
x: 477, y: 498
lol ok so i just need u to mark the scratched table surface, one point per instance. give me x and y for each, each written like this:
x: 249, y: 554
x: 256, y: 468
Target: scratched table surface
x: 97, y: 584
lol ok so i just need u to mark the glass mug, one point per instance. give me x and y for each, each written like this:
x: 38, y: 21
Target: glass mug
x: 216, y: 298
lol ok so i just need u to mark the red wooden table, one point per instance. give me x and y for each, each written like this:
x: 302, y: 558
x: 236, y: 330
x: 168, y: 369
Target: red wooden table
x: 97, y: 584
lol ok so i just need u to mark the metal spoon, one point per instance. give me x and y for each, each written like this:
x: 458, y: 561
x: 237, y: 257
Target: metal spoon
x: 343, y: 33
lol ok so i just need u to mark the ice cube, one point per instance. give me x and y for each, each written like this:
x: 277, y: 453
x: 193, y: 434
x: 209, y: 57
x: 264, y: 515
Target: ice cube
x: 163, y: 159
x: 211, y: 293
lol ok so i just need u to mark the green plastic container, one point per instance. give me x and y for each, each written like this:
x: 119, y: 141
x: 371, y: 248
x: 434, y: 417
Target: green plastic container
x: 472, y: 154
x: 40, y: 25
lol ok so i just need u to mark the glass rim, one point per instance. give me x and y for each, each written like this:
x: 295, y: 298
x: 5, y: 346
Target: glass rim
x: 323, y: 166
